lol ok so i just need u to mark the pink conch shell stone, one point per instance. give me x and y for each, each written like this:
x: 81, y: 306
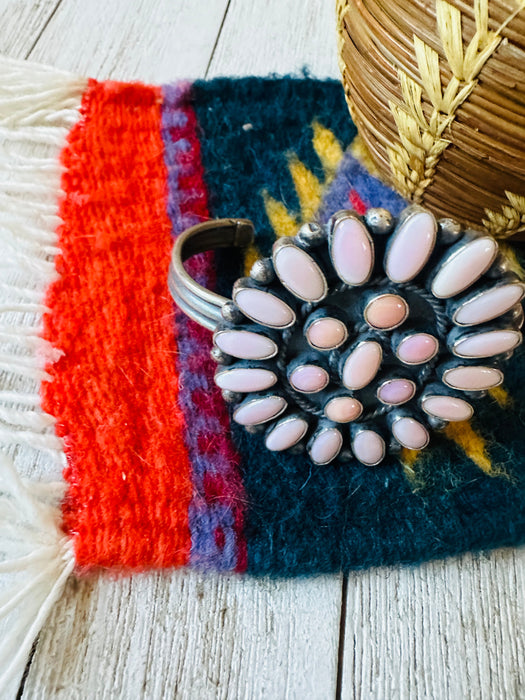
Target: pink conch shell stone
x: 245, y: 379
x: 473, y: 378
x: 447, y: 408
x: 245, y: 345
x: 326, y: 333
x: 418, y: 348
x: 410, y: 433
x: 489, y: 305
x: 368, y: 447
x: 309, y: 378
x: 260, y: 410
x: 465, y: 267
x: 396, y: 391
x: 411, y: 246
x: 488, y: 344
x: 352, y: 251
x: 264, y: 308
x: 286, y: 434
x: 386, y: 311
x: 299, y: 273
x: 343, y: 409
x: 326, y: 446
x: 362, y: 365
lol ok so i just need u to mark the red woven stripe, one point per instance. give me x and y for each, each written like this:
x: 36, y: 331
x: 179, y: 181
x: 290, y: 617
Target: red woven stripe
x: 114, y: 391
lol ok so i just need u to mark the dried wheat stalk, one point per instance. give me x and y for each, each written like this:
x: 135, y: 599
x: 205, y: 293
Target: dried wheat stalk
x: 510, y: 220
x: 414, y: 159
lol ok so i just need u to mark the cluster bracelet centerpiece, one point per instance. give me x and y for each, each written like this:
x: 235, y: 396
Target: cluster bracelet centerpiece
x: 357, y: 337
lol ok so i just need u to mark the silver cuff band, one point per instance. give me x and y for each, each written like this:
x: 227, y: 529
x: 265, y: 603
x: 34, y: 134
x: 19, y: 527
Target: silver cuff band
x: 197, y: 302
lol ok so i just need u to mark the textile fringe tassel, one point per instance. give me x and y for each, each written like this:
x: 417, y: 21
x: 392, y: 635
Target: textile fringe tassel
x: 36, y: 556
x: 38, y: 107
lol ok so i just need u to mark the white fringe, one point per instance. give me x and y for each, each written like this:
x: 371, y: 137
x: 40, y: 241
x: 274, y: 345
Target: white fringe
x: 38, y: 107
x: 38, y: 559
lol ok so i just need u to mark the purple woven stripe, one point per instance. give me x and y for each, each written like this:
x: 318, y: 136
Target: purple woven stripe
x: 351, y: 175
x: 215, y: 513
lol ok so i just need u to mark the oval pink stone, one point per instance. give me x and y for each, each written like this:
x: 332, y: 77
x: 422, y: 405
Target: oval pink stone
x: 362, y: 365
x: 489, y: 305
x: 259, y: 410
x: 343, y: 409
x: 396, y: 391
x: 411, y: 246
x: 418, y: 348
x: 245, y: 379
x: 299, y: 273
x: 352, y: 251
x: 285, y: 434
x: 410, y: 433
x: 326, y: 446
x: 386, y: 311
x: 264, y: 308
x: 309, y: 379
x: 473, y: 378
x: 245, y: 345
x: 326, y: 333
x: 368, y: 447
x: 465, y: 267
x: 487, y: 344
x: 447, y: 408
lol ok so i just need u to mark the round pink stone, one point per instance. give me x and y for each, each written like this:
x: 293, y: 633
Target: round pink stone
x: 447, y: 408
x: 352, y: 251
x: 368, y: 447
x: 386, y: 311
x: 362, y: 365
x: 259, y: 410
x: 396, y: 391
x: 264, y: 308
x: 309, y: 378
x: 326, y: 446
x: 418, y: 348
x: 343, y: 409
x: 488, y: 344
x: 286, y: 433
x: 326, y: 333
x: 489, y: 305
x: 410, y: 433
x: 245, y: 345
x: 473, y: 378
x: 245, y: 379
x: 299, y: 273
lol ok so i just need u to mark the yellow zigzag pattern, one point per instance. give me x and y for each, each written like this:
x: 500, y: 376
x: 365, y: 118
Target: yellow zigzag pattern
x: 308, y: 187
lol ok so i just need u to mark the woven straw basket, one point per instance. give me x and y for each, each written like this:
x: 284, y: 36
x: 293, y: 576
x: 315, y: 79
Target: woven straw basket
x: 437, y: 91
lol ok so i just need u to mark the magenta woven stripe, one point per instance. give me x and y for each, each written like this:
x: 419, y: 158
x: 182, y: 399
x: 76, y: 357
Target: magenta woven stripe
x: 216, y: 511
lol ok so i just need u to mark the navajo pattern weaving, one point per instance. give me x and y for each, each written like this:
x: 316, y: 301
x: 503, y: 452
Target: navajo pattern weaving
x: 105, y: 378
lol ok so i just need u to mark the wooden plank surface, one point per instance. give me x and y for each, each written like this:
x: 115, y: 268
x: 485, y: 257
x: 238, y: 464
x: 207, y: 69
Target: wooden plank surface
x: 451, y: 630
x: 447, y: 630
x: 272, y: 36
x: 22, y: 23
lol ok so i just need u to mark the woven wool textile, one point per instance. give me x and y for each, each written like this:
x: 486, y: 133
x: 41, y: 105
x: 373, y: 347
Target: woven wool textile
x: 157, y: 475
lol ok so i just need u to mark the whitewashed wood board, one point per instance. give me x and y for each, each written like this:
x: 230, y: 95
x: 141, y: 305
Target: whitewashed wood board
x: 450, y: 629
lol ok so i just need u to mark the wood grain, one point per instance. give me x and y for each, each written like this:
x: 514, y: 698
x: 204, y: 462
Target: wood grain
x: 271, y: 36
x: 186, y: 635
x: 21, y: 24
x: 450, y: 630
x: 149, y: 40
